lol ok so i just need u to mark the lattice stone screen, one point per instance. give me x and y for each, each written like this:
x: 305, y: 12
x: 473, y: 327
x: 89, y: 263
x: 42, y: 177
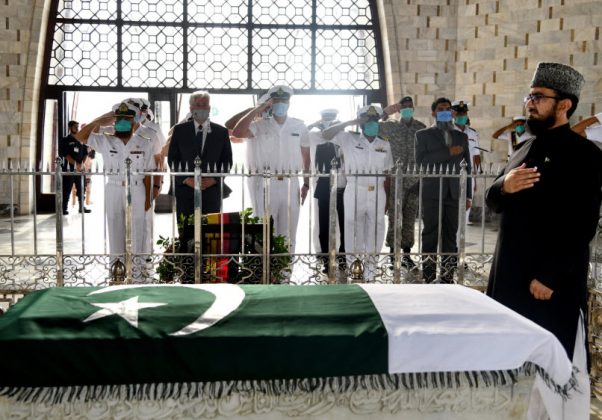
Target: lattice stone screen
x: 215, y: 44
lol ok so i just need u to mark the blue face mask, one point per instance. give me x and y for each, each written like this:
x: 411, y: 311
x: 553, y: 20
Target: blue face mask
x: 407, y: 113
x: 370, y: 128
x: 461, y: 119
x: 520, y: 129
x: 280, y: 109
x: 444, y: 116
x: 123, y: 126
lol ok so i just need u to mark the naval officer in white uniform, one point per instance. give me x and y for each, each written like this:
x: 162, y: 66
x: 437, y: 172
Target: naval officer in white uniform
x: 115, y: 149
x: 281, y: 144
x: 365, y: 197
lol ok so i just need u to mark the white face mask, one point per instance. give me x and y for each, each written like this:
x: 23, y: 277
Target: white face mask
x: 140, y: 118
x: 200, y: 115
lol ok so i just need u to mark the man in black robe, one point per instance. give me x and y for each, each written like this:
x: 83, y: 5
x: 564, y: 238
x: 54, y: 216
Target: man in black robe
x: 549, y: 196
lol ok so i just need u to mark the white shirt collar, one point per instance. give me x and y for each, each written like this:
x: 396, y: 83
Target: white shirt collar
x: 206, y: 126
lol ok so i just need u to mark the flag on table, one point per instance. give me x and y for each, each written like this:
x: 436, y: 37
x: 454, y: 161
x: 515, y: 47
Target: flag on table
x: 276, y: 336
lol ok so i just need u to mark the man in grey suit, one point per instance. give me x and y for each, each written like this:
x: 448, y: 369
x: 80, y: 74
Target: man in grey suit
x: 209, y: 141
x: 436, y: 146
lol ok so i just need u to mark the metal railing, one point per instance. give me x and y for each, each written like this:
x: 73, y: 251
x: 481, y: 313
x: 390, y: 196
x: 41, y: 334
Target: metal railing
x: 27, y: 262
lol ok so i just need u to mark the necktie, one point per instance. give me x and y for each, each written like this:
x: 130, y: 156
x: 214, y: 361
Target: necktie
x: 199, y: 139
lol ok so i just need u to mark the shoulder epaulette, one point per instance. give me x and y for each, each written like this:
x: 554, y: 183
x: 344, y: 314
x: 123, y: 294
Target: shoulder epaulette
x: 143, y: 137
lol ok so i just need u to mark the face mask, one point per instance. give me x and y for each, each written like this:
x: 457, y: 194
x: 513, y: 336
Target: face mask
x: 444, y: 116
x: 461, y: 120
x: 407, y: 113
x: 139, y: 118
x: 200, y: 115
x: 280, y: 109
x: 370, y: 129
x: 520, y: 129
x: 123, y: 126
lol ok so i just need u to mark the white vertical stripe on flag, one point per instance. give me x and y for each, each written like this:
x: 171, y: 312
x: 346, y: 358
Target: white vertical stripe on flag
x: 451, y: 328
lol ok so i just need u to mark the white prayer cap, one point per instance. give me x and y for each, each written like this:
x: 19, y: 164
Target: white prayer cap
x: 519, y: 118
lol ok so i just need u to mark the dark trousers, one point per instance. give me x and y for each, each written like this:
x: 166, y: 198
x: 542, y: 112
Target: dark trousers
x: 68, y: 181
x: 323, y: 221
x: 210, y: 203
x: 430, y: 231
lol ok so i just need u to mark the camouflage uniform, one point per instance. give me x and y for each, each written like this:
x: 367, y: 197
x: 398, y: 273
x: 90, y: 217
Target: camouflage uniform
x: 402, y: 139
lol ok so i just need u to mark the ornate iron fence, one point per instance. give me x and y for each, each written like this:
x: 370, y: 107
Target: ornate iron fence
x: 37, y: 254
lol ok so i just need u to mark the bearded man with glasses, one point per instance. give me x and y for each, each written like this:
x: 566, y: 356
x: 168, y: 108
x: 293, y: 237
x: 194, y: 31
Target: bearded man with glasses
x: 549, y: 197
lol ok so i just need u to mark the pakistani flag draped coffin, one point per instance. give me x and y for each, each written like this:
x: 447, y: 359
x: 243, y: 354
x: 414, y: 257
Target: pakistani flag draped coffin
x: 256, y: 335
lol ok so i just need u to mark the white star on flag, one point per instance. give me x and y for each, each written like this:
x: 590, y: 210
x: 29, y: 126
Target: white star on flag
x: 127, y: 309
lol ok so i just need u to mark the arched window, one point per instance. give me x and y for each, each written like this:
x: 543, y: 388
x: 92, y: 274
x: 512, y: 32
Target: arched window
x: 167, y: 48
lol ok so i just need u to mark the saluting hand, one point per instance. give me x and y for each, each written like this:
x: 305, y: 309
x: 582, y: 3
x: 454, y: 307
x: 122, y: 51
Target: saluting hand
x: 262, y: 107
x: 105, y: 119
x: 392, y: 109
x: 520, y: 178
x: 540, y: 291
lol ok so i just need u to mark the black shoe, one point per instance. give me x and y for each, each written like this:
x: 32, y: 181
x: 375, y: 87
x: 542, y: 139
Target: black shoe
x: 407, y: 262
x: 65, y: 212
x: 85, y: 210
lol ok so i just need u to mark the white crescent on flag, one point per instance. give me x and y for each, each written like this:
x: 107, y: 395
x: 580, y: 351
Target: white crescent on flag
x: 228, y: 297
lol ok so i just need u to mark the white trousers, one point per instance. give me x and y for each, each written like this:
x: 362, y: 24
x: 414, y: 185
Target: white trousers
x: 147, y: 246
x: 115, y: 216
x: 284, y: 207
x: 364, y: 224
x: 546, y: 404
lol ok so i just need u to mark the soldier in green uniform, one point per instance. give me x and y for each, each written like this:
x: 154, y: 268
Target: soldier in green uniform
x: 401, y: 137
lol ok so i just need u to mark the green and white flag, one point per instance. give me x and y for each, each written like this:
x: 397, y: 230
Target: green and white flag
x: 224, y: 337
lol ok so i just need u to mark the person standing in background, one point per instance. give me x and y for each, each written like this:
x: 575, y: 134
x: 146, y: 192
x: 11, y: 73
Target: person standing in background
x: 401, y: 135
x: 74, y: 156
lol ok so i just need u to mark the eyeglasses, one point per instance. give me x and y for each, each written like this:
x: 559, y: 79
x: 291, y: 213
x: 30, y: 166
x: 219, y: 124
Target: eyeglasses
x: 537, y: 97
